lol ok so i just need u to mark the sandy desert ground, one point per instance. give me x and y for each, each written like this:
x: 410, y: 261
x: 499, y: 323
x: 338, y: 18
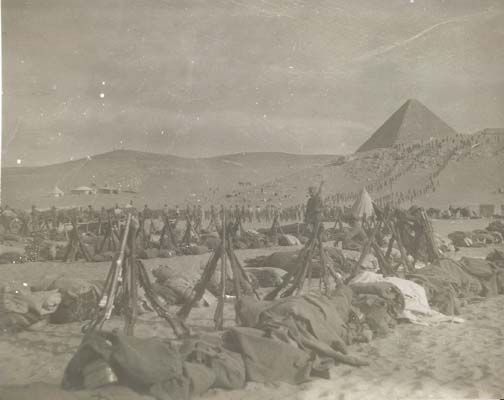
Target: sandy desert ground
x: 414, y: 362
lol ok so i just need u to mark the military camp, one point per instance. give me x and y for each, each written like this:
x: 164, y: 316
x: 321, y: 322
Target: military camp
x: 252, y: 200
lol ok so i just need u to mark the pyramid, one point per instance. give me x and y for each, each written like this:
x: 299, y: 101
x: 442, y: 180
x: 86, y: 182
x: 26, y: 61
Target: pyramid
x: 410, y: 123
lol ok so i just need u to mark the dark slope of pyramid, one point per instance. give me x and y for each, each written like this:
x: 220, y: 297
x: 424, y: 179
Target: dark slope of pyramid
x: 411, y: 122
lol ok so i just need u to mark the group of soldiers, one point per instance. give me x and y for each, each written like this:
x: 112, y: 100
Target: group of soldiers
x: 53, y: 218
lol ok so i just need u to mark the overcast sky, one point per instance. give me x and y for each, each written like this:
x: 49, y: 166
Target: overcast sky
x: 201, y: 78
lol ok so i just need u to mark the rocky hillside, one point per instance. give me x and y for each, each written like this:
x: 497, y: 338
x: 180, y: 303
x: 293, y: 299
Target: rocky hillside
x: 459, y: 170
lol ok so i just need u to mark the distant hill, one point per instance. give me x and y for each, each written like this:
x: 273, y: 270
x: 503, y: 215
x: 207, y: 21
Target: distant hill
x: 464, y: 170
x: 411, y: 122
x: 155, y: 179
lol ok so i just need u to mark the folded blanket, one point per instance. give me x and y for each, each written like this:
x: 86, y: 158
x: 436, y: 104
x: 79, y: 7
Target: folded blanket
x: 416, y: 307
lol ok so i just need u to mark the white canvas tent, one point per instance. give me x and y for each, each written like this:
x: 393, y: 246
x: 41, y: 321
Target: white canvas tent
x: 83, y: 190
x: 107, y: 190
x: 363, y: 206
x: 57, y: 192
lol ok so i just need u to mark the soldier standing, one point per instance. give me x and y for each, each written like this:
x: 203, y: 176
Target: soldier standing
x: 199, y: 218
x: 54, y: 217
x: 34, y: 218
x: 90, y: 213
x: 147, y: 213
x: 314, y: 208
